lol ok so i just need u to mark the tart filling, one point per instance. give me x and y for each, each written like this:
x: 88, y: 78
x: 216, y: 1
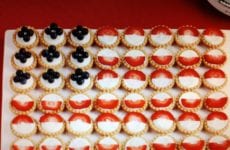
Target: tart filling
x: 192, y: 142
x: 78, y: 102
x: 164, y: 142
x: 135, y: 58
x: 161, y: 100
x: 213, y: 37
x: 188, y: 58
x: 51, y: 143
x: 107, y: 102
x: 22, y: 144
x: 22, y: 103
x: 79, y: 143
x: 190, y: 100
x: 218, y: 142
x: 162, y: 57
x: 136, y: 143
x: 214, y: 57
x: 216, y: 100
x: 107, y: 36
x: 134, y: 36
x: 187, y: 35
x: 108, y: 143
x: 134, y: 102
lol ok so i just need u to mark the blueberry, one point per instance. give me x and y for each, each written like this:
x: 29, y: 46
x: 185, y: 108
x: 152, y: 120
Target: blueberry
x: 74, y: 32
x: 80, y: 81
x: 56, y: 54
x: 47, y: 31
x: 59, y: 31
x: 28, y: 54
x: 26, y: 38
x: 27, y: 75
x: 19, y: 73
x: 50, y: 71
x: 45, y: 76
x: 79, y: 26
x: 49, y: 59
x: 85, y: 31
x: 24, y: 28
x: 53, y: 35
x: 31, y: 32
x: 73, y: 77
x: 23, y: 81
x: 56, y: 75
x: 85, y: 75
x: 45, y: 53
x: 80, y: 59
x: 17, y: 56
x: 20, y: 34
x: 22, y: 50
x: 78, y: 71
x: 80, y: 37
x: 16, y: 79
x: 53, y: 25
x: 23, y: 60
x: 80, y: 49
x: 52, y: 47
x: 85, y: 55
x: 50, y: 80
x: 74, y: 55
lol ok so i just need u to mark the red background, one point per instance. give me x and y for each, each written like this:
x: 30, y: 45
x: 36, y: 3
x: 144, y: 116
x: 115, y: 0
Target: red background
x: 119, y: 13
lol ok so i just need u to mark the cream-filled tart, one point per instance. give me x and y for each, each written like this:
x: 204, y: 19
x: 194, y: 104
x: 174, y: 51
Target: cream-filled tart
x: 162, y: 122
x: 134, y: 80
x: 107, y: 143
x: 214, y: 58
x: 51, y: 143
x: 214, y: 79
x: 80, y: 36
x: 136, y: 143
x: 218, y: 142
x: 187, y: 36
x: 26, y: 37
x: 134, y: 37
x: 23, y: 126
x: 53, y: 35
x: 23, y: 144
x: 213, y: 38
x: 107, y: 124
x: 135, y: 123
x: 107, y: 80
x: 79, y: 143
x: 188, y: 79
x: 189, y: 123
x: 135, y: 59
x: 51, y: 124
x: 162, y: 58
x: 79, y: 124
x: 107, y: 37
x: 216, y: 122
x: 24, y: 59
x: 163, y: 142
x: 192, y: 142
x: 161, y: 79
x: 106, y: 102
x: 160, y: 36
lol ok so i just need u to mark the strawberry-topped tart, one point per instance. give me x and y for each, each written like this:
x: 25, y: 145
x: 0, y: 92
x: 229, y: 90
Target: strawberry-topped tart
x: 23, y: 126
x: 161, y: 79
x: 106, y: 102
x: 135, y: 123
x: 160, y: 36
x: 51, y: 124
x: 212, y: 37
x: 162, y: 58
x: 187, y: 36
x: 79, y: 124
x: 214, y: 79
x: 135, y: 59
x: 214, y: 58
x: 134, y: 102
x: 189, y: 123
x: 107, y: 143
x: 134, y: 80
x: 163, y: 142
x: 189, y: 101
x: 107, y: 80
x: 134, y: 37
x: 161, y: 101
x: 107, y: 36
x: 136, y: 143
x: 107, y: 59
x: 188, y: 79
x: 162, y: 122
x: 188, y: 58
x: 51, y: 143
x: 107, y: 124
x: 23, y: 144
x: 216, y: 100
x: 79, y: 143
x: 216, y: 122
x: 192, y: 142
x: 218, y: 142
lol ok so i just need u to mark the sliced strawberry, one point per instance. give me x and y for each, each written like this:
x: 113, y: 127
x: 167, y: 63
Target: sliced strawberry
x: 188, y: 30
x: 188, y: 72
x: 80, y: 105
x: 107, y: 147
x: 135, y: 61
x: 190, y: 102
x: 135, y: 74
x: 80, y: 116
x: 214, y: 73
x: 106, y: 117
x: 142, y: 147
x: 19, y: 147
x: 106, y: 74
x: 51, y: 105
x: 213, y: 31
x: 188, y: 61
x: 22, y: 106
x: 109, y: 61
x: 135, y: 104
x: 46, y: 147
x: 161, y: 30
x: 105, y: 104
x: 162, y: 114
x: 161, y: 103
x: 169, y: 146
x: 161, y: 73
x: 134, y: 30
x: 189, y: 116
x: 162, y: 60
x: 22, y: 119
x: 217, y: 115
x: 135, y: 116
x: 107, y: 30
x: 51, y: 118
x: 80, y: 148
x: 217, y: 102
x: 199, y: 145
x: 219, y: 146
x: 215, y: 59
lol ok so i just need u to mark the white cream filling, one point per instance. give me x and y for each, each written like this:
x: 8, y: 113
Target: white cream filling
x: 107, y: 97
x: 80, y: 126
x: 79, y: 97
x: 28, y: 84
x: 189, y: 125
x: 24, y: 128
x: 217, y: 124
x: 162, y: 82
x: 79, y: 142
x: 108, y: 83
x: 22, y: 98
x: 30, y: 42
x: 133, y: 83
x: 161, y: 38
x: 52, y: 127
x: 52, y: 97
x: 191, y: 140
x: 164, y: 139
x: 216, y: 81
x: 107, y: 39
x: 190, y: 96
x: 214, y: 39
x: 85, y: 62
x: 162, y: 96
x: 135, y: 126
x: 134, y: 53
x: 55, y: 61
x: 188, y: 53
x: 51, y: 142
x: 23, y: 143
x: 50, y: 41
x: 108, y: 126
x: 106, y: 52
x: 108, y: 141
x: 85, y: 40
x: 81, y: 87
x: 217, y: 139
x: 134, y: 39
x: 189, y: 82
x: 188, y: 39
x: 163, y: 124
x: 28, y: 62
x: 55, y: 84
x: 215, y: 52
x: 135, y: 142
x: 217, y: 95
x: 162, y: 52
x: 134, y: 97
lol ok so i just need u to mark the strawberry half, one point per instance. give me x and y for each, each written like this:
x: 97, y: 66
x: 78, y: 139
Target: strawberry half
x: 109, y: 61
x: 161, y: 29
x: 162, y: 60
x: 51, y: 105
x: 107, y: 117
x: 217, y: 115
x: 139, y: 101
x: 135, y: 116
x: 135, y: 58
x: 80, y: 116
x: 188, y: 30
x: 214, y: 73
x: 190, y: 60
x: 189, y: 116
x: 188, y: 72
x: 168, y: 146
x: 142, y: 147
x: 56, y: 147
x: 219, y: 145
x: 21, y: 106
x: 213, y: 32
x: 190, y: 100
x: 198, y: 145
x: 134, y: 30
x: 161, y: 100
x: 107, y: 146
x: 106, y: 74
x: 19, y: 147
x: 79, y: 101
x: 51, y: 118
x: 81, y: 148
x: 162, y: 114
x: 218, y: 101
x: 107, y: 30
x: 107, y: 104
x: 161, y: 73
x: 135, y: 74
x: 213, y: 58
x: 22, y: 119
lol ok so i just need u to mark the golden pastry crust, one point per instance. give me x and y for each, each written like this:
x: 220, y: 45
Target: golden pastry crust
x: 100, y: 138
x: 213, y: 87
x: 44, y: 138
x: 180, y: 144
x: 128, y: 45
x: 188, y: 88
x: 211, y: 45
x: 79, y: 90
x: 45, y: 43
x: 129, y: 138
x: 185, y: 131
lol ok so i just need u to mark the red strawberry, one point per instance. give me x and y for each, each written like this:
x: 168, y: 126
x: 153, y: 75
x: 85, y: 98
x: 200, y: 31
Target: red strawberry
x: 216, y: 103
x: 162, y: 60
x: 224, y: 145
x: 80, y: 148
x: 189, y: 116
x: 22, y: 119
x: 199, y: 145
x: 109, y: 61
x: 161, y: 73
x: 106, y: 74
x: 107, y: 147
x: 188, y: 61
x: 134, y: 30
x: 80, y: 105
x: 135, y: 104
x: 215, y: 59
x: 51, y: 118
x: 135, y: 116
x: 188, y: 72
x: 161, y: 30
x: 135, y: 61
x: 162, y: 114
x: 46, y: 147
x: 142, y: 147
x: 80, y: 116
x: 51, y: 105
x: 217, y: 115
x: 22, y: 106
x: 169, y: 146
x: 107, y: 116
x: 107, y: 30
x: 19, y: 147
x: 161, y: 103
x: 213, y: 31
x: 105, y: 104
x: 135, y: 74
x: 188, y: 30
x: 190, y: 103
x: 214, y: 73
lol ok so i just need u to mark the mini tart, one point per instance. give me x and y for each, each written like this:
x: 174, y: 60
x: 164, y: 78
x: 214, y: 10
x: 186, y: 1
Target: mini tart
x: 51, y: 124
x: 161, y: 101
x: 79, y: 124
x: 216, y: 122
x: 189, y: 101
x: 214, y: 79
x: 107, y: 37
x: 22, y: 81
x: 162, y: 58
x: 163, y: 142
x: 187, y: 36
x: 79, y: 103
x: 134, y: 102
x: 51, y: 103
x: 135, y: 123
x: 48, y: 143
x: 24, y: 59
x: 26, y: 37
x: 22, y: 104
x: 80, y: 36
x: 160, y: 36
x: 162, y: 122
x: 80, y: 58
x: 134, y: 80
x: 136, y: 143
x: 51, y: 58
x: 22, y: 144
x: 107, y: 124
x: 161, y: 79
x: 214, y: 58
x: 218, y: 142
x: 23, y: 126
x: 80, y: 143
x: 107, y: 80
x: 192, y: 142
x: 216, y: 101
x: 106, y: 103
x: 107, y: 143
x: 51, y: 81
x: 188, y: 79
x: 134, y: 37
x: 213, y: 37
x: 135, y: 59
x: 53, y: 35
x: 188, y: 58
x: 189, y: 123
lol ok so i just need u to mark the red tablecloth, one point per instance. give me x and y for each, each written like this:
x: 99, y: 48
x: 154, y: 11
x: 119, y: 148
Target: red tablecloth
x: 119, y: 13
